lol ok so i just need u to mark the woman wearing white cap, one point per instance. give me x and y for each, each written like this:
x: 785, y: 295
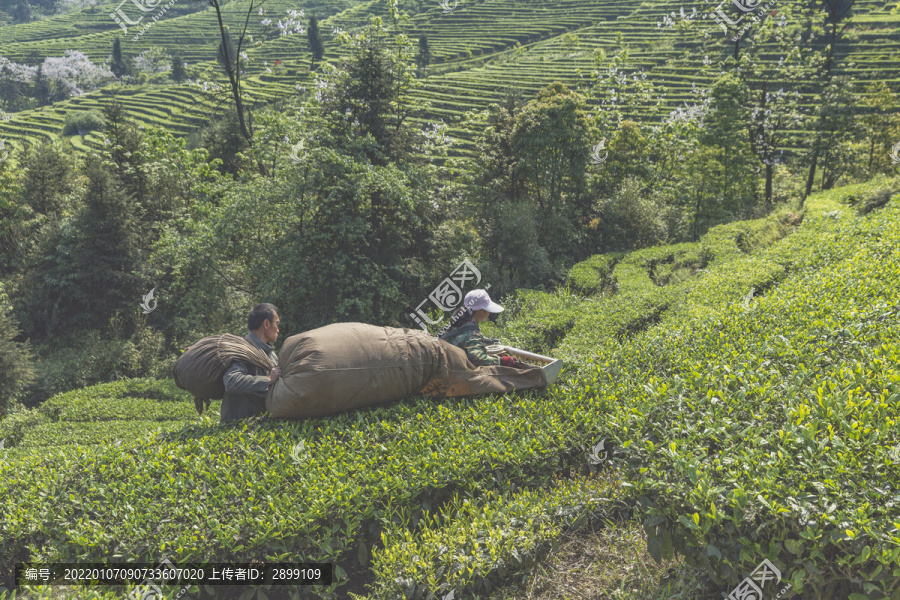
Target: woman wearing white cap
x: 465, y: 332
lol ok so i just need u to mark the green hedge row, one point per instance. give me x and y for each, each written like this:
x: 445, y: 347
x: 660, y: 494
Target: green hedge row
x: 472, y: 545
x: 767, y: 429
x: 591, y: 276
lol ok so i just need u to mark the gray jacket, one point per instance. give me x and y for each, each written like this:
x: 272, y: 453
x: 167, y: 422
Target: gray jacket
x: 246, y: 385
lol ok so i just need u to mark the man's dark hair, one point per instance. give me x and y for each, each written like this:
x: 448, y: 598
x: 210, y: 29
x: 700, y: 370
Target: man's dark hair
x: 260, y: 313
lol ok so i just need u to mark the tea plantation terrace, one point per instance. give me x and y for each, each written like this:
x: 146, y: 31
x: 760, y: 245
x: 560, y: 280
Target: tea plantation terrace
x: 739, y: 427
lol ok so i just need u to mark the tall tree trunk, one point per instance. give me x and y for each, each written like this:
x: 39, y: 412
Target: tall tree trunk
x: 234, y: 77
x: 812, y: 173
x: 826, y: 77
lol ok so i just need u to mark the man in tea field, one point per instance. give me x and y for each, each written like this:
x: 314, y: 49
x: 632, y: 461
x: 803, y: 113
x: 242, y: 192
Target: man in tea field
x: 246, y: 384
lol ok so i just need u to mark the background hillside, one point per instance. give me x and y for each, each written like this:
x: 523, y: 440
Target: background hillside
x: 477, y: 51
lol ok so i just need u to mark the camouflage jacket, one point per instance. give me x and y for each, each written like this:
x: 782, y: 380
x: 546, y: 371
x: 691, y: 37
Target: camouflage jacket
x: 473, y: 342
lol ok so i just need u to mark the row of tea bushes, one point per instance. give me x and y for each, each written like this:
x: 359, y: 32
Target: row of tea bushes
x: 768, y: 429
x: 471, y: 545
x: 121, y: 411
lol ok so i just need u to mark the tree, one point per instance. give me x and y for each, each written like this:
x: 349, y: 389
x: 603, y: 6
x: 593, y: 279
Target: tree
x: 229, y: 56
x: 83, y: 273
x: 22, y: 12
x: 494, y: 176
x: 722, y: 131
x: 838, y: 18
x: 371, y: 95
x: 880, y: 125
x: 108, y: 253
x: 769, y: 119
x: 118, y: 65
x: 41, y: 87
x: 179, y: 69
x: 621, y: 94
x: 627, y: 155
x: 316, y: 47
x: 123, y: 145
x: 223, y: 138
x: 551, y: 142
x: 16, y: 223
x: 836, y: 129
x: 47, y: 178
x: 772, y: 104
x: 424, y: 57
x: 506, y: 219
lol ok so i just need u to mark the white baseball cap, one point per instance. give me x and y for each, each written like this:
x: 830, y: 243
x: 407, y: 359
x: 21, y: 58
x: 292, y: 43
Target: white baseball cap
x: 478, y: 299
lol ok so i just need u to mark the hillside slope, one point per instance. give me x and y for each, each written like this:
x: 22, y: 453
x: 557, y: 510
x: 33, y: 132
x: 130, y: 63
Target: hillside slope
x: 738, y: 428
x: 479, y: 50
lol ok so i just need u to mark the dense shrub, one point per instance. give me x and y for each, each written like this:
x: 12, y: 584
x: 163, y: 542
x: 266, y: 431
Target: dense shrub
x: 871, y: 195
x: 83, y: 122
x: 79, y: 360
x: 591, y: 276
x: 16, y: 369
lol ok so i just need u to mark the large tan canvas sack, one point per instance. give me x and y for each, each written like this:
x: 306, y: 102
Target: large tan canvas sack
x: 344, y: 366
x: 201, y: 368
x: 457, y: 376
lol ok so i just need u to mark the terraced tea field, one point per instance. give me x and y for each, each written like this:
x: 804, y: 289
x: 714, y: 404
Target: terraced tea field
x: 479, y: 50
x: 737, y: 427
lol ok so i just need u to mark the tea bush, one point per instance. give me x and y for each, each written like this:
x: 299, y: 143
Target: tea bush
x: 471, y: 545
x: 741, y: 427
x: 591, y: 276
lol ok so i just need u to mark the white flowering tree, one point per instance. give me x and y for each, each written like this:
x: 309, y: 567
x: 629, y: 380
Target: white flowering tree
x: 72, y: 74
x: 153, y: 61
